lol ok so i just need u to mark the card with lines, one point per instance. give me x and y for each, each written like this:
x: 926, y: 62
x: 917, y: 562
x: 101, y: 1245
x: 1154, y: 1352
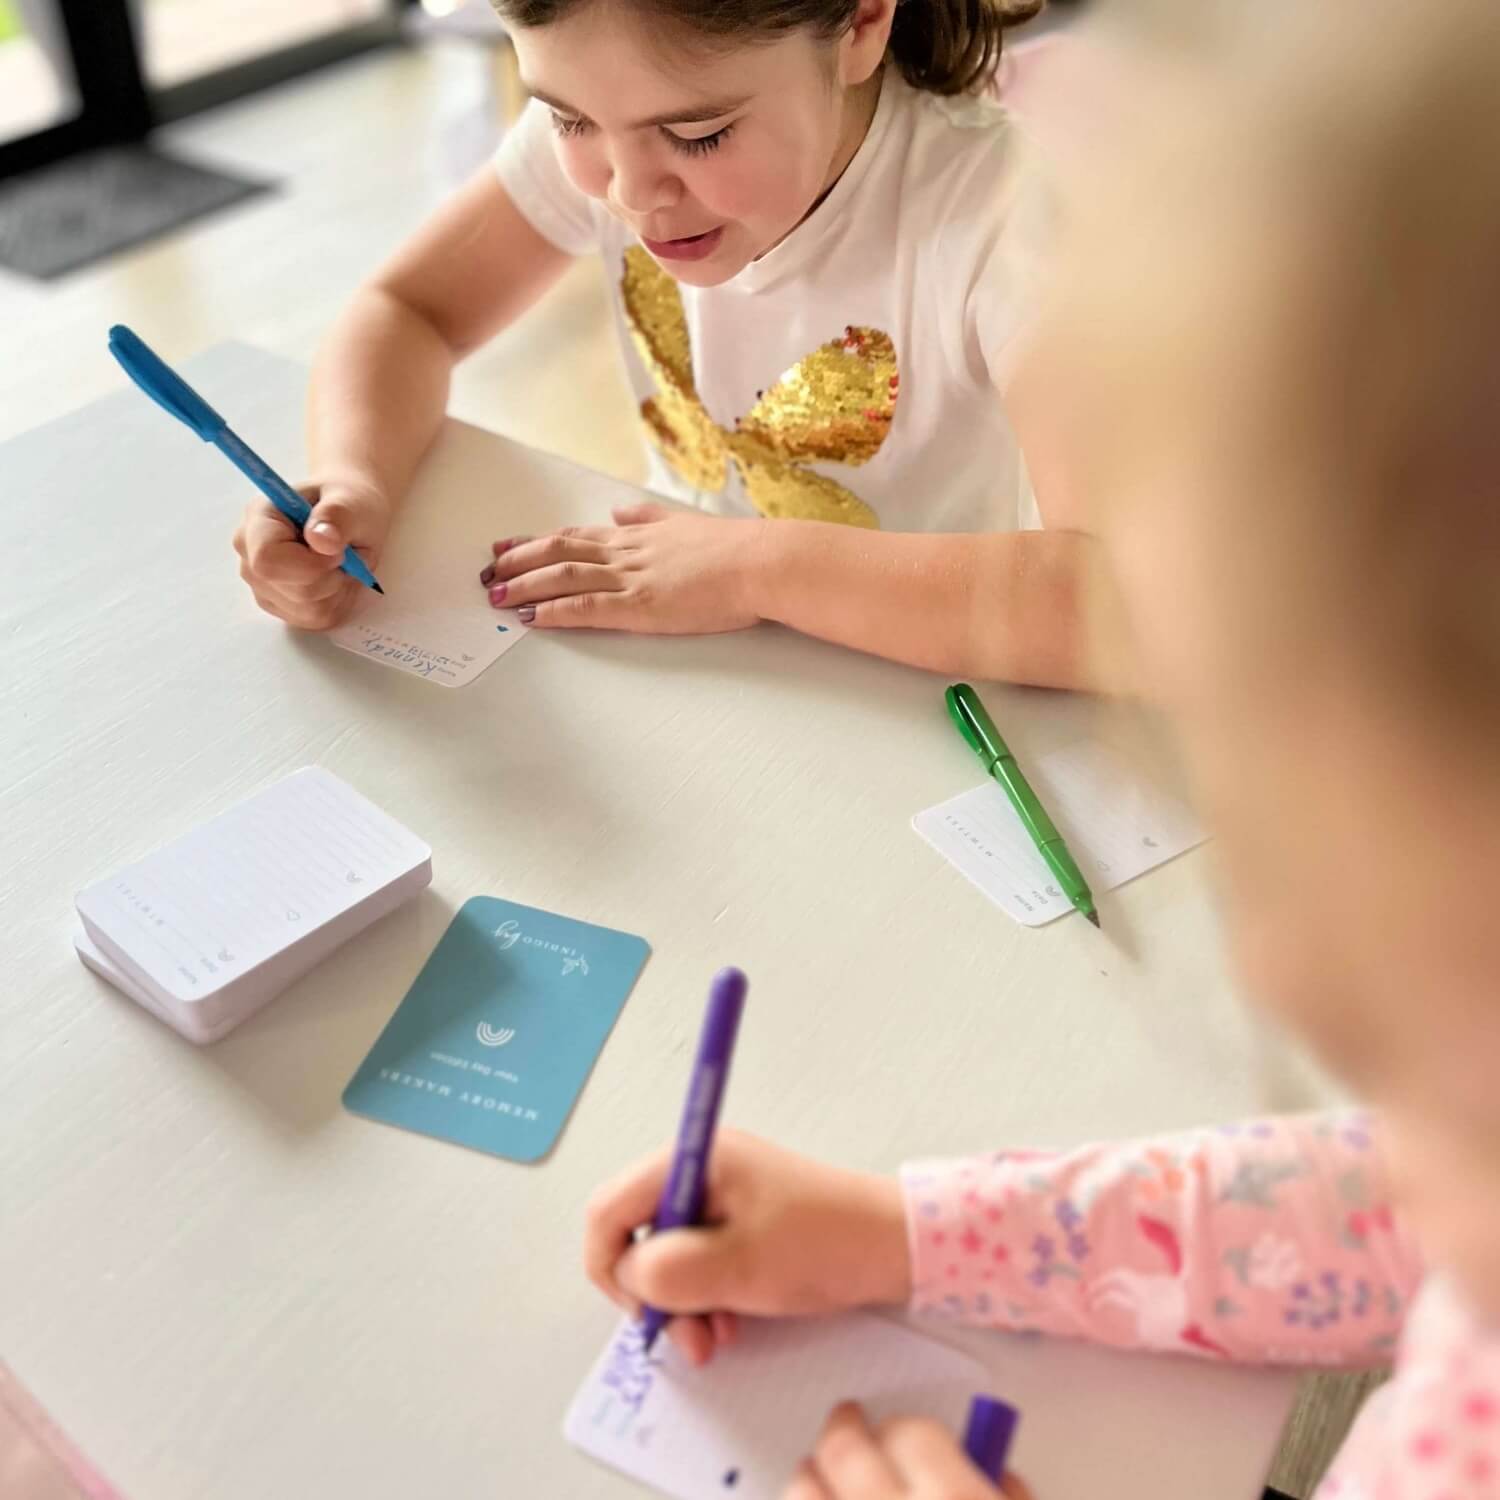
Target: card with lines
x: 736, y: 1429
x: 1116, y: 825
x: 229, y: 914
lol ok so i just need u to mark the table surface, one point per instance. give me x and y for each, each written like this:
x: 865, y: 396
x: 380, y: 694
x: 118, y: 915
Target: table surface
x: 222, y: 1285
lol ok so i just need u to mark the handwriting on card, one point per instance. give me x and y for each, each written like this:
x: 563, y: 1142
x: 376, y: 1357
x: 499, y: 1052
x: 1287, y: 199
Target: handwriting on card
x: 418, y: 659
x: 629, y: 1376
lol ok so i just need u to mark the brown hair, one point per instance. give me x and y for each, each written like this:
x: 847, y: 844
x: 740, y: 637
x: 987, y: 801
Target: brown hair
x: 942, y: 46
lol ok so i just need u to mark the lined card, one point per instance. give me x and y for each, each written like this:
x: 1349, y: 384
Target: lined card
x: 234, y: 892
x: 1116, y: 825
x: 740, y: 1426
x: 436, y: 624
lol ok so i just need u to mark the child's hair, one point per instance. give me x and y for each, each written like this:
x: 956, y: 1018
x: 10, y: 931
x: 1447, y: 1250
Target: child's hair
x: 942, y: 46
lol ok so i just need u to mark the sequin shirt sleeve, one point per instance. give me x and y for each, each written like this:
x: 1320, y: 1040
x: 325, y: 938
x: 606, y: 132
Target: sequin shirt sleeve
x: 530, y: 172
x: 1272, y: 1241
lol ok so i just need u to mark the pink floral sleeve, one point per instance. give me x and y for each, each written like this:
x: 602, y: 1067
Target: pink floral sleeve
x: 1271, y: 1241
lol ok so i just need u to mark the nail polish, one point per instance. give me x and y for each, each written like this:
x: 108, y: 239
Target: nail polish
x: 526, y: 614
x: 488, y: 576
x: 498, y: 593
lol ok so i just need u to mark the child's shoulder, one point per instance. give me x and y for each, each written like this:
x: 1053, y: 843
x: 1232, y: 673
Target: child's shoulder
x: 958, y: 138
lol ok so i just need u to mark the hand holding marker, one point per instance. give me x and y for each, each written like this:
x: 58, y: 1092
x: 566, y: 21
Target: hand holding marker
x: 682, y: 1199
x: 173, y: 394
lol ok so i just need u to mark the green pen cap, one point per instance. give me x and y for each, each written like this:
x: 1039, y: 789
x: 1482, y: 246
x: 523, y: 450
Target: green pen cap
x: 976, y: 726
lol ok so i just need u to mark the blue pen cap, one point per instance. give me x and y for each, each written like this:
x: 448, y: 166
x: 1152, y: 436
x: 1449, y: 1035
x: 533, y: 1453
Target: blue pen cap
x: 987, y: 1438
x: 163, y: 385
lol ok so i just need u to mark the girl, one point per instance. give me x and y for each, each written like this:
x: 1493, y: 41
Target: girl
x: 813, y: 225
x: 1297, y: 492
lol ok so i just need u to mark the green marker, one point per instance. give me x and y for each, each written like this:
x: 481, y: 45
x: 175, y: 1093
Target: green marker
x: 979, y: 730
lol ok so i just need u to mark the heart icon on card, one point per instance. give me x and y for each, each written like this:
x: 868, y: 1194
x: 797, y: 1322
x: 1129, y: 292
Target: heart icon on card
x: 354, y: 879
x: 1148, y: 841
x: 225, y: 956
x: 293, y: 916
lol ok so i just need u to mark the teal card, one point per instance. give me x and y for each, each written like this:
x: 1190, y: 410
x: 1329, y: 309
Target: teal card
x: 493, y: 1043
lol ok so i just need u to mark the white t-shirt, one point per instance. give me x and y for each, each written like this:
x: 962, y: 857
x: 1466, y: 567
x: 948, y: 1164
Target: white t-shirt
x: 851, y: 373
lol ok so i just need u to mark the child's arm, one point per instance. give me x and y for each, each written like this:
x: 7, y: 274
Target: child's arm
x: 1264, y: 1242
x: 1272, y: 1241
x: 380, y: 388
x: 987, y: 605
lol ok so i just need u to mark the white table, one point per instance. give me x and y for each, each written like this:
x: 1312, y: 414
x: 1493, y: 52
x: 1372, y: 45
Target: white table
x: 223, y: 1286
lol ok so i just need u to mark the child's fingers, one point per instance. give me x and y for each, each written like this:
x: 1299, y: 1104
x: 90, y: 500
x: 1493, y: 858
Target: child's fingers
x: 805, y: 1484
x: 614, y: 609
x: 549, y: 552
x: 612, y: 1216
x: 926, y: 1454
x: 694, y: 1339
x: 303, y: 614
x: 1015, y: 1488
x: 559, y: 581
x: 507, y: 543
x: 683, y: 1270
x: 322, y: 597
x: 273, y: 552
x: 849, y: 1461
x: 725, y: 1327
x: 528, y: 554
x: 640, y: 515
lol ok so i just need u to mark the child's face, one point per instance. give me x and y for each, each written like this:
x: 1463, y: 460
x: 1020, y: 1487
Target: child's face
x: 1293, y: 484
x: 710, y: 158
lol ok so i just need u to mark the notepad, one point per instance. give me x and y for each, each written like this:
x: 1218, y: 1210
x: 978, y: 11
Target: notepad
x: 1116, y: 825
x: 740, y: 1426
x: 435, y: 622
x: 207, y: 930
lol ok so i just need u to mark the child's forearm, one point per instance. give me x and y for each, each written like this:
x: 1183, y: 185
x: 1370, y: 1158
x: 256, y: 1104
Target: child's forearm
x: 379, y: 392
x: 989, y: 605
x: 1270, y: 1242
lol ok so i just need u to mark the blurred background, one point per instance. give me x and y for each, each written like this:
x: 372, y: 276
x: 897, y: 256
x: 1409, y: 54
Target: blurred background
x: 206, y: 170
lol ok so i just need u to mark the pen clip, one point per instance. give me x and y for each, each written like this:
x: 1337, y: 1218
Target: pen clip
x: 163, y: 385
x: 968, y: 713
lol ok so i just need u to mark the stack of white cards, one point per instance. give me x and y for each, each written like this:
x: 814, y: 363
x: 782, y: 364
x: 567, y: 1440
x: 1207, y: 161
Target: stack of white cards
x: 206, y: 931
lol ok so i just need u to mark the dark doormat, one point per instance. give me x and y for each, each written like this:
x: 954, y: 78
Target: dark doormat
x: 62, y: 218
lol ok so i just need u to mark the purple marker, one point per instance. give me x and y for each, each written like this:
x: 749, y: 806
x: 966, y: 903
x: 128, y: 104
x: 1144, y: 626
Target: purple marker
x: 992, y: 1424
x: 681, y: 1204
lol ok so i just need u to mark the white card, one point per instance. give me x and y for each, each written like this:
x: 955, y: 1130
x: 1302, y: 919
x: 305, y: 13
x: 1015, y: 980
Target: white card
x: 241, y: 889
x: 1116, y: 827
x: 437, y: 624
x: 739, y: 1427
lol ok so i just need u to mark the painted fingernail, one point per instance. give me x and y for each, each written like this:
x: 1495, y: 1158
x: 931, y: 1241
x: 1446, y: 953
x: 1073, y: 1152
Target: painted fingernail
x: 498, y: 593
x: 526, y: 614
x: 500, y: 548
x: 487, y: 577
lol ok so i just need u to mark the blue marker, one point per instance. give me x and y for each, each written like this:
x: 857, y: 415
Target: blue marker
x: 992, y: 1424
x: 173, y: 394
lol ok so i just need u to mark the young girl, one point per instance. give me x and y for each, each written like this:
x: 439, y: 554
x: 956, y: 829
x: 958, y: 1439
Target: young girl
x: 813, y: 223
x: 1297, y: 494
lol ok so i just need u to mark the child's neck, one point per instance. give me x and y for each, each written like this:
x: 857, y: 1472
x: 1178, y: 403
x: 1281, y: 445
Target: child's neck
x: 860, y: 104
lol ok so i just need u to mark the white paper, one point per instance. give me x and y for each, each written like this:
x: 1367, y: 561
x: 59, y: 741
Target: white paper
x: 233, y: 893
x: 1115, y: 824
x: 739, y: 1427
x: 436, y: 623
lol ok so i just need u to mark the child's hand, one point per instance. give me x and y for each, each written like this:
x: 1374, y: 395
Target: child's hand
x: 907, y: 1458
x: 656, y: 571
x: 302, y: 585
x: 783, y: 1237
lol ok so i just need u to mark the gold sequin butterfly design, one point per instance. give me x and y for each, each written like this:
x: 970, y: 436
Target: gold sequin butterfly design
x: 835, y: 405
